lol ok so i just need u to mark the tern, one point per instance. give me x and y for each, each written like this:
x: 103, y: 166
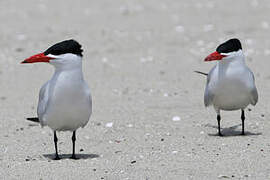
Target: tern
x: 65, y: 102
x: 230, y: 83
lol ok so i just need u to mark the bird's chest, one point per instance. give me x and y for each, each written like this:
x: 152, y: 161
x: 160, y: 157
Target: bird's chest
x: 231, y: 93
x: 229, y: 85
x: 67, y: 105
x: 68, y: 95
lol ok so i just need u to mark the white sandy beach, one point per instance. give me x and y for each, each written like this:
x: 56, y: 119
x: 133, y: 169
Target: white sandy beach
x: 149, y: 121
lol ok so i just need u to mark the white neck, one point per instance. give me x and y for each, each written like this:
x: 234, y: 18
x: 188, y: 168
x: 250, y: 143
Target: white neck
x: 72, y: 70
x: 238, y: 60
x: 69, y: 66
x: 230, y: 62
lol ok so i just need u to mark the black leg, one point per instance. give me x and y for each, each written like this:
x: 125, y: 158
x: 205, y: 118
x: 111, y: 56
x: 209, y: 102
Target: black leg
x: 73, y: 143
x: 218, y: 120
x: 55, y: 144
x: 243, y: 122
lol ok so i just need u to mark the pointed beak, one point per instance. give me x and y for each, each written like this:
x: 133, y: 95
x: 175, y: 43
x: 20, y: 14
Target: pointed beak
x: 215, y: 56
x: 37, y: 58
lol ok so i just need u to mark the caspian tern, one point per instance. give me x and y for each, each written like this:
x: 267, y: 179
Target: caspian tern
x: 230, y: 83
x: 65, y: 102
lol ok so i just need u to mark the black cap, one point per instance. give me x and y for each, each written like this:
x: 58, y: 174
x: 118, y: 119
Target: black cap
x: 229, y: 46
x: 67, y: 46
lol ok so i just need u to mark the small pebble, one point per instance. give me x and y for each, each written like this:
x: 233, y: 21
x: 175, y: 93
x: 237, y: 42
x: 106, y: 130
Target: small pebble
x: 147, y: 134
x: 176, y: 118
x: 132, y: 162
x: 33, y: 124
x: 146, y: 59
x: 223, y: 176
x: 104, y: 60
x: 124, y: 10
x: 200, y: 42
x: 249, y: 41
x: 21, y: 37
x: 110, y: 124
x: 19, y: 49
x: 266, y: 52
x: 161, y: 72
x: 129, y: 125
x: 208, y: 27
x: 98, y: 124
x: 265, y: 25
x: 254, y: 3
x: 179, y: 29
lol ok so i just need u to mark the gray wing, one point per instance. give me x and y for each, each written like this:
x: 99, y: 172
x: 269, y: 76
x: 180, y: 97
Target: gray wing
x: 253, y: 92
x: 89, y: 98
x: 254, y: 95
x: 208, y: 93
x: 87, y: 91
x: 43, y: 100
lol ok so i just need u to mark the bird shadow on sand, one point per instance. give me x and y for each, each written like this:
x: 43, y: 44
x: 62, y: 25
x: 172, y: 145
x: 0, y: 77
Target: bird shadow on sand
x: 232, y: 131
x: 67, y: 156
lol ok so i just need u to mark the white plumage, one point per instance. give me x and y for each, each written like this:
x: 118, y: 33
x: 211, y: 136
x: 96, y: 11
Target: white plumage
x: 65, y: 101
x: 230, y: 84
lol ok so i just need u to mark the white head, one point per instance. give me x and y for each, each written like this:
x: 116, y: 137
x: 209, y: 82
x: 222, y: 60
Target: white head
x: 229, y: 50
x: 64, y: 54
x: 67, y: 60
x: 235, y: 55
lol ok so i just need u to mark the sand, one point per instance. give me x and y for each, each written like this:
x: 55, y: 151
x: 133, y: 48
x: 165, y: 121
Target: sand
x: 149, y: 121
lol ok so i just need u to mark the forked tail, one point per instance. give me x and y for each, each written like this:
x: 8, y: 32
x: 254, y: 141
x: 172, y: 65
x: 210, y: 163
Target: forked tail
x: 199, y: 72
x: 33, y: 119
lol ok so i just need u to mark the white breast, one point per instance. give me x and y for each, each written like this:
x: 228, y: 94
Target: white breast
x: 230, y: 86
x: 231, y: 94
x: 69, y: 104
